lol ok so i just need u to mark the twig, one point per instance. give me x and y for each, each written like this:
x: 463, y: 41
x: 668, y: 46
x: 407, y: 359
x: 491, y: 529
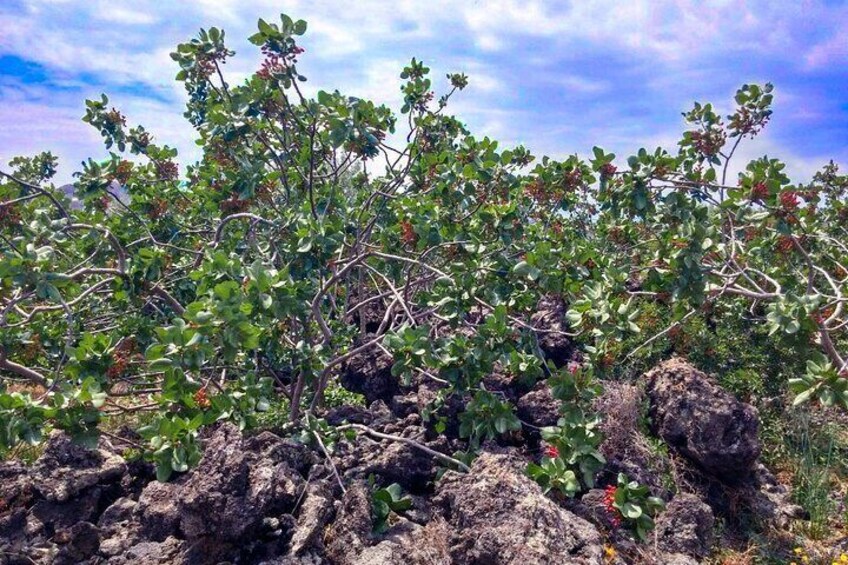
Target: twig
x: 329, y: 460
x: 660, y: 334
x: 410, y: 442
x: 119, y: 438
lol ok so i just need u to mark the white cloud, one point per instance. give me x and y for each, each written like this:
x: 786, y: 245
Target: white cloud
x: 110, y: 12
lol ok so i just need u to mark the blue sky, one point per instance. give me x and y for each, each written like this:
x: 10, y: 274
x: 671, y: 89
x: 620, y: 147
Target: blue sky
x: 558, y: 76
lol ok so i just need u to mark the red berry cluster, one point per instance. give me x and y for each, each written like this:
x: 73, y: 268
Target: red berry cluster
x: 551, y: 451
x: 789, y: 200
x: 277, y: 63
x: 116, y: 118
x: 121, y: 358
x: 167, y: 170
x: 407, y: 233
x: 234, y: 204
x: 573, y: 180
x: 710, y: 142
x: 785, y: 244
x: 157, y: 208
x: 608, y: 170
x: 822, y: 315
x: 123, y: 171
x: 202, y: 399
x: 617, y: 235
x: 142, y: 140
x: 556, y: 227
x: 609, y: 505
x: 33, y: 349
x: 9, y: 216
x: 536, y: 189
x: 744, y: 122
x: 103, y: 203
x: 265, y: 192
x: 751, y: 233
x: 843, y: 215
x: 426, y: 98
x: 759, y: 192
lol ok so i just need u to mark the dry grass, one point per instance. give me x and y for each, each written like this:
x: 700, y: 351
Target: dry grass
x: 26, y: 388
x: 621, y: 406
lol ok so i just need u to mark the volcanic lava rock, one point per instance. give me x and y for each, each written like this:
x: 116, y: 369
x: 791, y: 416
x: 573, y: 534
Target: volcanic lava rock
x: 498, y: 515
x: 550, y: 319
x: 233, y: 489
x: 67, y: 468
x: 686, y: 526
x: 539, y: 407
x: 703, y: 422
x: 370, y: 374
x: 350, y: 540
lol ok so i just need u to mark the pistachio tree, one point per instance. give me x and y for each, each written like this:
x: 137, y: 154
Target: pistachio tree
x: 175, y: 297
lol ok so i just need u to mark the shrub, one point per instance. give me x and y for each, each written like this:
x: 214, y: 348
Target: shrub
x: 199, y: 294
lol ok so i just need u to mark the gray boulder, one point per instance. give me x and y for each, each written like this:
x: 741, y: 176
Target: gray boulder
x: 686, y: 526
x: 499, y: 516
x: 702, y: 422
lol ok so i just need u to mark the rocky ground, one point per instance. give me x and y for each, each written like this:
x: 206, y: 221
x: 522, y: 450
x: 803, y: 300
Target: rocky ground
x: 263, y: 498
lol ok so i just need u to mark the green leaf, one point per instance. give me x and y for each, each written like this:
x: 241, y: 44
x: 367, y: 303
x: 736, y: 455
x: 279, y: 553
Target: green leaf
x: 163, y: 471
x: 804, y: 396
x: 266, y: 28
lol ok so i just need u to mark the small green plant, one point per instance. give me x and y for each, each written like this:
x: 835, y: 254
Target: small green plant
x: 821, y: 381
x: 571, y: 459
x: 385, y: 501
x: 277, y: 415
x: 336, y: 395
x: 631, y: 502
x: 485, y: 417
x: 173, y: 444
x: 553, y: 473
x: 576, y: 445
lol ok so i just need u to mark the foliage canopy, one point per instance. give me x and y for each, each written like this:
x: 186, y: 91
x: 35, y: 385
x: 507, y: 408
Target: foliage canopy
x: 303, y: 238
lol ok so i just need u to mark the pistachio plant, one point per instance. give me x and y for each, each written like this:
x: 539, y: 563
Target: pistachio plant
x: 175, y: 296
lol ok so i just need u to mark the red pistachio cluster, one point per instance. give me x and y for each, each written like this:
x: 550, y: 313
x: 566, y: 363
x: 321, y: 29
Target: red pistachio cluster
x: 789, y: 200
x: 608, y: 170
x: 9, y: 216
x: 277, y: 63
x: 202, y: 399
x: 710, y: 142
x: 116, y: 118
x: 167, y: 170
x: 609, y: 505
x: 822, y: 315
x: 744, y: 122
x: 121, y: 358
x: 142, y: 140
x: 407, y: 233
x: 157, y: 208
x: 233, y: 205
x: 759, y: 192
x: 123, y: 171
x: 785, y: 244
